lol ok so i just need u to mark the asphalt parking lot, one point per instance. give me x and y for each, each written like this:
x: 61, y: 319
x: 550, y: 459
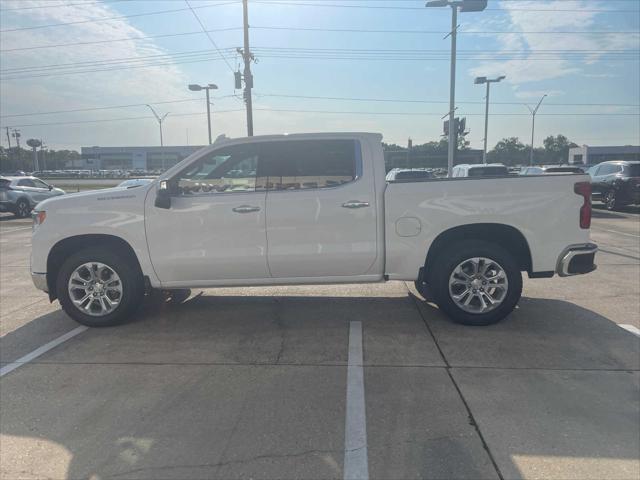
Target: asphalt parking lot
x: 265, y: 382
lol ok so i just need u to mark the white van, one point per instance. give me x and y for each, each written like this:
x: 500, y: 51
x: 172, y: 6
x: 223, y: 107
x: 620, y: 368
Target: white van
x: 480, y: 170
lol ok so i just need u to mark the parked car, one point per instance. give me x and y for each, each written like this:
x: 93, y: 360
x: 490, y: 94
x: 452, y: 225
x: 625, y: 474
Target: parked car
x: 541, y: 170
x: 20, y: 195
x: 408, y: 173
x: 310, y: 209
x: 480, y: 170
x: 616, y: 183
x: 135, y: 182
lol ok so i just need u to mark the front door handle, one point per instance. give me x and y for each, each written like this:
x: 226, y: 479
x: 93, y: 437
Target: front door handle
x: 246, y: 209
x: 355, y: 204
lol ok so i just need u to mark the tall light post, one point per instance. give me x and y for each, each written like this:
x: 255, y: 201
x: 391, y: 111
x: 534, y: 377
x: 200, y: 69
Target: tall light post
x: 196, y: 88
x: 464, y: 6
x: 533, y: 125
x: 488, y: 81
x: 160, y: 120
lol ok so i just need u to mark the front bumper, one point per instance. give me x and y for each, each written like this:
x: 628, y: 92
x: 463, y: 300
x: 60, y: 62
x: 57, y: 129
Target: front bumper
x: 577, y: 260
x: 40, y: 281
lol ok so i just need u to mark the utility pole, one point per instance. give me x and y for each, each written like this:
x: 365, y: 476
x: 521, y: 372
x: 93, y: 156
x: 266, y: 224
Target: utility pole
x: 16, y: 135
x: 9, y: 142
x: 248, y: 78
x: 533, y: 125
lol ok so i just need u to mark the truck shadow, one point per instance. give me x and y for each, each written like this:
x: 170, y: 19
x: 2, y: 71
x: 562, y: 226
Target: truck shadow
x: 146, y: 400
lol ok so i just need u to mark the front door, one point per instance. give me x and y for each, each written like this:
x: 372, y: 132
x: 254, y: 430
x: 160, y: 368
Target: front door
x: 215, y: 227
x: 321, y: 216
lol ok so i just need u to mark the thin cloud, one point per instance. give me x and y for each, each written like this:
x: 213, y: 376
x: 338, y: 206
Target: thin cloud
x: 533, y: 68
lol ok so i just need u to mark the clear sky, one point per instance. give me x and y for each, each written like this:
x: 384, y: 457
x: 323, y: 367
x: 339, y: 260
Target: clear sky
x: 584, y: 55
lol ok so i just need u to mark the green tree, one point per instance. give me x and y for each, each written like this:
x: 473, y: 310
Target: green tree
x: 556, y: 149
x: 509, y: 151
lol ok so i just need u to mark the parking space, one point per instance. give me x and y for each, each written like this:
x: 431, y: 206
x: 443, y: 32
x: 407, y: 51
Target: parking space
x: 253, y: 382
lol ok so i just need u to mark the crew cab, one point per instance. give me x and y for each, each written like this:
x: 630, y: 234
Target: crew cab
x: 309, y: 209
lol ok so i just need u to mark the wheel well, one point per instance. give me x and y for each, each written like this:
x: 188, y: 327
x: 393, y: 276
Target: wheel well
x: 64, y: 248
x: 507, y: 237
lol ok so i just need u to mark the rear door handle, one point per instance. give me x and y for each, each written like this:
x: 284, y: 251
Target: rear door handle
x: 246, y: 209
x: 355, y: 204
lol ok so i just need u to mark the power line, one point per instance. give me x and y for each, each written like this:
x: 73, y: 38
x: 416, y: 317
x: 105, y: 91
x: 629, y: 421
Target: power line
x: 321, y: 51
x: 385, y: 7
x: 360, y: 99
x: 104, y: 120
x: 439, y: 32
x: 205, y: 31
x: 58, y: 5
x: 102, y: 19
x: 150, y: 37
x: 331, y: 112
x: 111, y: 107
x: 319, y: 29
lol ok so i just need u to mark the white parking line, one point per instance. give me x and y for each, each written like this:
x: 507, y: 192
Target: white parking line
x: 630, y: 328
x: 40, y: 350
x: 356, y: 465
x: 619, y: 233
x: 9, y: 230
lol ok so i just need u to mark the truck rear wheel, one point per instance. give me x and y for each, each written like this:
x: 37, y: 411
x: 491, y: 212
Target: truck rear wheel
x: 99, y: 288
x: 476, y: 282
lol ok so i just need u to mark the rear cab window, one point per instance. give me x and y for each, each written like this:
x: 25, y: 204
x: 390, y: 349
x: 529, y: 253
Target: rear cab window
x: 488, y: 172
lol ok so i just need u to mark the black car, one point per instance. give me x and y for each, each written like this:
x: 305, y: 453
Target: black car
x: 616, y: 183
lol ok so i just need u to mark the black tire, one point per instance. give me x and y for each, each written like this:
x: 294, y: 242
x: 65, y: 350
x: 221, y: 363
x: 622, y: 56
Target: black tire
x: 23, y: 209
x: 130, y: 276
x: 457, y: 253
x: 610, y: 200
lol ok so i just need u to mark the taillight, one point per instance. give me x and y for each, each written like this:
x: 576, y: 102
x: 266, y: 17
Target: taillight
x: 584, y: 189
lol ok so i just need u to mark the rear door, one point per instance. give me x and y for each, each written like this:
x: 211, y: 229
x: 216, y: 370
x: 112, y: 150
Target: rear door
x: 321, y: 212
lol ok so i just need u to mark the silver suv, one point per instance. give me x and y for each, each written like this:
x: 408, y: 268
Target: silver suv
x: 20, y: 194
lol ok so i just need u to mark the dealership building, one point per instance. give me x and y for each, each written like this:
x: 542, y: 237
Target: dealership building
x: 588, y: 155
x: 133, y: 158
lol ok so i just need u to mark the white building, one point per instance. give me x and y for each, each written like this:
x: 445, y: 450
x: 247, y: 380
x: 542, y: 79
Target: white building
x: 587, y: 155
x: 133, y: 158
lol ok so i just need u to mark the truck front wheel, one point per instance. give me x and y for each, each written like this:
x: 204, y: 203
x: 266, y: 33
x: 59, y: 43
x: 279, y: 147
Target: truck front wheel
x: 476, y: 282
x: 99, y: 288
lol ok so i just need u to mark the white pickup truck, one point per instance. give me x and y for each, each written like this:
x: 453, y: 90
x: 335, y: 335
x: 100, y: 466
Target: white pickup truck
x: 310, y: 209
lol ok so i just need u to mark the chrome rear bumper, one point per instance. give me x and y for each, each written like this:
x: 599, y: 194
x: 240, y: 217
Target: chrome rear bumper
x: 40, y: 281
x: 577, y: 260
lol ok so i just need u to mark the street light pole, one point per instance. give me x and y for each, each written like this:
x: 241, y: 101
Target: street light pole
x: 465, y: 6
x: 533, y: 125
x: 196, y: 88
x: 160, y: 120
x: 452, y: 91
x: 488, y: 81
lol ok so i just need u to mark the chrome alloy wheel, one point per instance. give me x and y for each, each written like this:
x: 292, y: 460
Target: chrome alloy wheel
x: 478, y: 285
x: 95, y: 289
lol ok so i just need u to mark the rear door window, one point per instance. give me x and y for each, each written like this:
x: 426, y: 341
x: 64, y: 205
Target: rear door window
x: 308, y: 164
x: 633, y: 170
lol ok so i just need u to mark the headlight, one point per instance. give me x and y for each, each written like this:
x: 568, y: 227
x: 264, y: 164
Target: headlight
x: 38, y: 217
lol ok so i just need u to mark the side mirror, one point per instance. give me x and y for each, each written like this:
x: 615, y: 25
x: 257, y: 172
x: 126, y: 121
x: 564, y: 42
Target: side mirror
x: 50, y: 187
x: 163, y: 197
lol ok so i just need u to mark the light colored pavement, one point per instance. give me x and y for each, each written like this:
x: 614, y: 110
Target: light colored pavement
x: 252, y: 383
